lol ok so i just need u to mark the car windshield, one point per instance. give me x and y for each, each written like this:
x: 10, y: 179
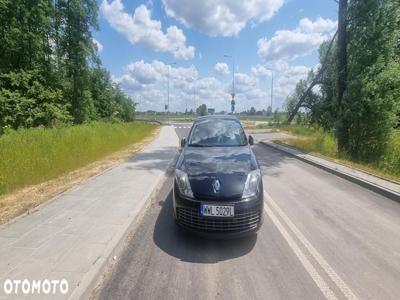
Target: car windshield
x: 217, y: 133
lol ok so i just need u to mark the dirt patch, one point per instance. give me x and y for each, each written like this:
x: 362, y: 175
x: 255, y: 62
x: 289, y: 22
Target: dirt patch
x: 27, y: 199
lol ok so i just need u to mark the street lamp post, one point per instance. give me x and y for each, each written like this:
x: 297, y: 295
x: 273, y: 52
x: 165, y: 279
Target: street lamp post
x: 194, y: 99
x: 233, y: 79
x: 272, y: 88
x: 169, y: 67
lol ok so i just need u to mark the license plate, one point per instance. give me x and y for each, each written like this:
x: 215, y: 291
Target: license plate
x: 224, y: 211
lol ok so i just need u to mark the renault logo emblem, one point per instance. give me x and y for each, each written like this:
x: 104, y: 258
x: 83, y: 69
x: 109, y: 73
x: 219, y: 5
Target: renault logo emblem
x: 216, y: 185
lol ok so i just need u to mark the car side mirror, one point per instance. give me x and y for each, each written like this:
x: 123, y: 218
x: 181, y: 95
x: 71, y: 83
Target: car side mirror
x: 251, y: 140
x: 183, y: 142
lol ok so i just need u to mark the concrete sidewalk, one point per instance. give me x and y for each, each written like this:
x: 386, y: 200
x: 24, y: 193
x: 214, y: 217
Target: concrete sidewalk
x: 74, y: 235
x: 377, y: 184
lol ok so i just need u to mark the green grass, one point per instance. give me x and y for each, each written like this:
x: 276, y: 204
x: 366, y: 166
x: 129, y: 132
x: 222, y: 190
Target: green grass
x: 264, y: 126
x: 312, y: 139
x: 31, y: 156
x: 255, y: 118
x: 271, y: 125
x: 390, y: 162
x: 315, y: 140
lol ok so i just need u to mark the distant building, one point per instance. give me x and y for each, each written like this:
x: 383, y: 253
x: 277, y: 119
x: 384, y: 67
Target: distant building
x: 211, y: 111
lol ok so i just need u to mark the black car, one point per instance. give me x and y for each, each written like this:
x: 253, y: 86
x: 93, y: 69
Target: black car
x: 218, y: 189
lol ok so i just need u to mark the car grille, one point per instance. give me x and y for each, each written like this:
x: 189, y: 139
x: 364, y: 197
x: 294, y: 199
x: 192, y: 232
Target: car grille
x: 244, y: 221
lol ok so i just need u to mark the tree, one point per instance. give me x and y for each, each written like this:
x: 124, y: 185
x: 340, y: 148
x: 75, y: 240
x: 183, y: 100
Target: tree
x: 276, y: 116
x: 123, y: 107
x: 49, y: 69
x: 102, y: 92
x: 290, y: 103
x: 26, y: 101
x: 326, y: 114
x: 252, y: 111
x: 309, y: 99
x: 78, y: 16
x: 202, y: 110
x: 313, y: 83
x: 29, y: 91
x: 371, y: 100
x: 369, y: 83
x: 342, y: 131
x: 25, y: 32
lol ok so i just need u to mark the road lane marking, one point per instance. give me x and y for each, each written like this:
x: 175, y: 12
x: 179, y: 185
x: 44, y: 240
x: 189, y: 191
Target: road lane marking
x: 319, y: 281
x: 344, y: 288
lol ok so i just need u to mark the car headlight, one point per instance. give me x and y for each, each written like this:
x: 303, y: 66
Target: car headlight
x: 252, y: 183
x: 182, y: 180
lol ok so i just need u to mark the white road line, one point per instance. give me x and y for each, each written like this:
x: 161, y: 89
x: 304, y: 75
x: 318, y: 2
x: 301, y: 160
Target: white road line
x: 319, y: 281
x: 344, y: 288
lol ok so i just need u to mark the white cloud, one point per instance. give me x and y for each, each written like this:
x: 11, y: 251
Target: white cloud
x: 147, y: 81
x: 319, y: 25
x: 244, y: 83
x: 260, y: 71
x: 289, y: 45
x: 221, y: 68
x: 285, y: 79
x: 221, y: 17
x: 145, y: 73
x: 141, y: 29
x: 98, y: 45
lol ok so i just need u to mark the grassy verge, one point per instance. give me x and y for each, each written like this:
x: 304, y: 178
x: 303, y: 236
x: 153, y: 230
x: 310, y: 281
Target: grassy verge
x: 32, y: 156
x: 270, y: 125
x: 318, y: 141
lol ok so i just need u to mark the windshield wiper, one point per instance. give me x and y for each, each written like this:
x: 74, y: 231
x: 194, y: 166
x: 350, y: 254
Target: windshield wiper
x: 197, y: 145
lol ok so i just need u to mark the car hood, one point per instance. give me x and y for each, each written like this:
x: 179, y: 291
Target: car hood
x: 230, y: 165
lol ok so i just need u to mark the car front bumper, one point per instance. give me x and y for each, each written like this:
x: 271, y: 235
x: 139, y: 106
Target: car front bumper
x: 247, y: 220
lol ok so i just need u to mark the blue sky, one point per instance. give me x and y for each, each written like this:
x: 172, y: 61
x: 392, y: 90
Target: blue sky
x: 138, y: 39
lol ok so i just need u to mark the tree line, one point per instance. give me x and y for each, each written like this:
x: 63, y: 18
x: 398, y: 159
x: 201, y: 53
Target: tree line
x: 357, y: 96
x: 50, y: 72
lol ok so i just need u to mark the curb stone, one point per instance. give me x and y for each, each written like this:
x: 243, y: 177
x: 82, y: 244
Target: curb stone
x: 357, y: 180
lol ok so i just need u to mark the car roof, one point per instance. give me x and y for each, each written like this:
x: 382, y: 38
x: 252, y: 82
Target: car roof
x: 219, y: 117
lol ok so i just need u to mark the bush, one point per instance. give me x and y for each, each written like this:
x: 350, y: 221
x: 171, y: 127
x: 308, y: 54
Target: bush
x: 370, y: 119
x: 26, y: 101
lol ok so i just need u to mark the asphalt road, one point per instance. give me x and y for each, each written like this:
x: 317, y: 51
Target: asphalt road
x: 322, y: 238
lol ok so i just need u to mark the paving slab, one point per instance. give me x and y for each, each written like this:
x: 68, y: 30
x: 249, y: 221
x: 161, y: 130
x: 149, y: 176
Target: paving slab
x: 74, y: 235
